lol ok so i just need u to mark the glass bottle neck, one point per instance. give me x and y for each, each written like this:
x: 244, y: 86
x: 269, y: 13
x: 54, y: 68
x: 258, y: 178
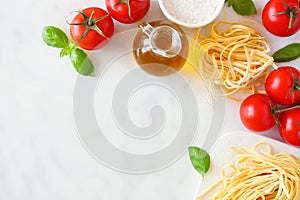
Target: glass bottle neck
x: 163, y: 40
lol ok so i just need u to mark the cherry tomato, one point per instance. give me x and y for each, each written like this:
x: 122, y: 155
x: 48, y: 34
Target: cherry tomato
x: 280, y: 17
x: 256, y: 113
x: 127, y: 11
x: 289, y: 127
x: 283, y: 85
x: 91, y: 28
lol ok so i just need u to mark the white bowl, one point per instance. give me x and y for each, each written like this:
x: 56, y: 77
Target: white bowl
x: 192, y: 25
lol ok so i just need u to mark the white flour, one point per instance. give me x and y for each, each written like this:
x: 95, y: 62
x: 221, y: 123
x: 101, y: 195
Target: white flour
x: 191, y: 11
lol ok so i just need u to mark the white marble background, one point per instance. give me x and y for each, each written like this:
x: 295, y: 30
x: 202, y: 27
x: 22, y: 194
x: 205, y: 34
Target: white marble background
x: 41, y: 156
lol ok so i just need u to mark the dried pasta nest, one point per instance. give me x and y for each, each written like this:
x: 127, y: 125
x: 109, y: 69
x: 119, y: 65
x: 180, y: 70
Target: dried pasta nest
x: 258, y: 174
x: 234, y: 57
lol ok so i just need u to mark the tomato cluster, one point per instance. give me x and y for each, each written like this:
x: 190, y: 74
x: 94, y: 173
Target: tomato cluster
x: 280, y: 105
x: 92, y: 27
x: 281, y: 17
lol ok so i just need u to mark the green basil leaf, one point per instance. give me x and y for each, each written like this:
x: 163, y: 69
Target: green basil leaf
x: 67, y: 50
x: 81, y: 62
x: 200, y: 160
x: 64, y: 52
x: 230, y: 2
x: 243, y: 7
x: 55, y: 37
x: 288, y: 53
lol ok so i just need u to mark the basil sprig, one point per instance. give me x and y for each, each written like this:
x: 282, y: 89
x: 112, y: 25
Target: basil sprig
x: 200, y: 160
x: 55, y: 37
x: 288, y: 53
x: 242, y: 7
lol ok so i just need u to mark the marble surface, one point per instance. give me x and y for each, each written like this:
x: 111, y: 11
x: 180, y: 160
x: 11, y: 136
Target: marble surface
x: 41, y: 155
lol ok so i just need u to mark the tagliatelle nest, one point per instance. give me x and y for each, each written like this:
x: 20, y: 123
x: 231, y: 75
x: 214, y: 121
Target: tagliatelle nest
x: 234, y: 57
x: 258, y: 174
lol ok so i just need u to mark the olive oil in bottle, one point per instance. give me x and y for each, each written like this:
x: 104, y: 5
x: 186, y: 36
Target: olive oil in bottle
x: 160, y: 48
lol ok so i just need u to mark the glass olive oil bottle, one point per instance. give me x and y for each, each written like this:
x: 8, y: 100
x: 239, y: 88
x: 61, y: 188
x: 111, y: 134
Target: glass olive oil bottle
x: 160, y: 48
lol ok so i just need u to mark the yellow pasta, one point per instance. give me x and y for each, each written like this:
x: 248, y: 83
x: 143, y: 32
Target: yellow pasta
x: 234, y: 57
x: 258, y: 174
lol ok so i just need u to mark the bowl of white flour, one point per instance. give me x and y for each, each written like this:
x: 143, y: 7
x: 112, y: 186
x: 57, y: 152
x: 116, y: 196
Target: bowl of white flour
x: 191, y: 13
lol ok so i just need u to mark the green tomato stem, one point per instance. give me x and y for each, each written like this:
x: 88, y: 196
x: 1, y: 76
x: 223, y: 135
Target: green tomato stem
x: 90, y: 24
x: 287, y: 109
x: 292, y: 12
x: 90, y: 21
x: 291, y: 19
x: 127, y: 2
x: 296, y: 84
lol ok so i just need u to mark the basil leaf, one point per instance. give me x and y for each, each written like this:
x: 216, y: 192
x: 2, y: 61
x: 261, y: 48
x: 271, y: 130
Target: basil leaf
x: 55, y: 37
x: 67, y: 50
x: 200, y: 160
x: 81, y: 62
x: 288, y: 53
x: 64, y: 52
x: 243, y: 7
x: 230, y: 2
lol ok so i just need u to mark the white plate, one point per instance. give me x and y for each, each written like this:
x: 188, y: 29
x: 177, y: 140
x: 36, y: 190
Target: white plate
x: 134, y: 122
x: 221, y: 154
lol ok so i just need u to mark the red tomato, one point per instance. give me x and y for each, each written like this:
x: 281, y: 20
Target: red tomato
x: 91, y: 28
x: 256, y: 113
x: 127, y: 11
x: 289, y: 127
x: 283, y: 85
x: 276, y: 17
